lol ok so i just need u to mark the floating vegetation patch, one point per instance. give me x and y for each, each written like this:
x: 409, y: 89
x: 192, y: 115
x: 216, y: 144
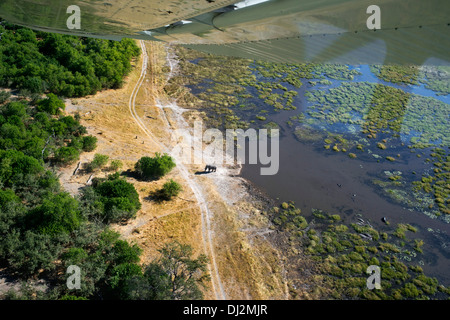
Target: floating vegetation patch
x: 335, y: 71
x: 429, y: 194
x: 338, y: 143
x: 342, y: 254
x: 308, y: 134
x: 426, y: 122
x: 232, y: 91
x: 382, y: 110
x: 436, y: 182
x: 397, y: 73
x: 436, y: 78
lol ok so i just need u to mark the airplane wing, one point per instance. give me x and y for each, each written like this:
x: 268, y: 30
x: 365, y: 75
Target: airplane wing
x: 293, y: 31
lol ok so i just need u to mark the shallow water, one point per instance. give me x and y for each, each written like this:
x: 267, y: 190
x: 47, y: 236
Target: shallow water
x: 310, y: 177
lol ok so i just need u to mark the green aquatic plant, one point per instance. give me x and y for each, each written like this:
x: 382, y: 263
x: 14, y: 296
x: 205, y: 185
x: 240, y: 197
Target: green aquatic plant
x: 380, y: 145
x: 396, y: 73
x: 341, y: 257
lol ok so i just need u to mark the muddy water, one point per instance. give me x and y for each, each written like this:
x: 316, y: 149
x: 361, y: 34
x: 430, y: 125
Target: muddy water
x: 310, y: 179
x: 334, y: 183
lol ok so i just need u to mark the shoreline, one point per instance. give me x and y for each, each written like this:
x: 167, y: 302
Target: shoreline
x: 237, y: 193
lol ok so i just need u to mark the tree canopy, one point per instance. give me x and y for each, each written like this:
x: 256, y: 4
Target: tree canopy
x: 154, y: 168
x: 69, y: 66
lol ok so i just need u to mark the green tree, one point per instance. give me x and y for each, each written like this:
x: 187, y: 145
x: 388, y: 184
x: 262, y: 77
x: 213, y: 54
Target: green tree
x: 119, y: 198
x: 99, y: 161
x: 89, y: 143
x: 14, y: 165
x: 52, y: 104
x: 4, y: 96
x: 174, y: 276
x: 67, y: 155
x: 156, y: 167
x: 57, y: 214
x: 31, y: 251
x: 169, y: 190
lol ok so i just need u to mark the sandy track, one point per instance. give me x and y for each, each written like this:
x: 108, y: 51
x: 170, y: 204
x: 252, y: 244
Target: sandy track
x: 217, y: 285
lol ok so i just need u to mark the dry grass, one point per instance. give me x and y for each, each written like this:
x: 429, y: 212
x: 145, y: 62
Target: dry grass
x: 249, y: 266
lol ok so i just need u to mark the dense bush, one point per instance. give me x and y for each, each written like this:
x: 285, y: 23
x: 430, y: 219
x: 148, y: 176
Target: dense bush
x: 174, y: 276
x: 169, y: 190
x: 4, y: 96
x: 89, y: 143
x: 117, y: 198
x: 115, y: 165
x: 99, y: 161
x: 154, y: 168
x: 42, y: 227
x: 52, y: 105
x: 67, y: 155
x: 69, y: 66
x: 57, y: 214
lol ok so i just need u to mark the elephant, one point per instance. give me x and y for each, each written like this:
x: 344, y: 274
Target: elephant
x: 210, y: 168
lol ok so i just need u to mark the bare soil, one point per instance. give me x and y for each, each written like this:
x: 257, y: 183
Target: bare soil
x: 235, y: 234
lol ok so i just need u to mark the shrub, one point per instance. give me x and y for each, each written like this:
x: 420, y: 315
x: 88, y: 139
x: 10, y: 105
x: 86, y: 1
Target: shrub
x: 98, y: 162
x: 169, y: 190
x: 57, y: 214
x: 120, y: 199
x: 52, y: 104
x: 67, y: 155
x: 116, y: 165
x: 176, y: 275
x: 15, y: 165
x: 89, y: 143
x: 4, y: 96
x: 156, y: 167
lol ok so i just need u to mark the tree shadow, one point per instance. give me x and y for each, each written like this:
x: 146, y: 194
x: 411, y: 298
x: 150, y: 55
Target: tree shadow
x: 156, y: 196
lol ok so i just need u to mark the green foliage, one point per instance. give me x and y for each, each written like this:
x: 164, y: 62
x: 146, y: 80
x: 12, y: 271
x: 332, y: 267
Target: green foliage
x: 67, y: 155
x: 116, y: 165
x: 174, y: 276
x: 289, y: 218
x: 89, y: 143
x: 43, y: 229
x: 72, y: 297
x: 68, y: 66
x: 99, y: 161
x: 4, y: 96
x: 126, y: 253
x: 154, y: 168
x: 28, y: 252
x: 118, y: 199
x: 14, y: 165
x: 58, y: 213
x: 121, y: 277
x: 397, y: 73
x: 52, y: 104
x: 106, y: 263
x: 169, y: 190
x: 341, y: 255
